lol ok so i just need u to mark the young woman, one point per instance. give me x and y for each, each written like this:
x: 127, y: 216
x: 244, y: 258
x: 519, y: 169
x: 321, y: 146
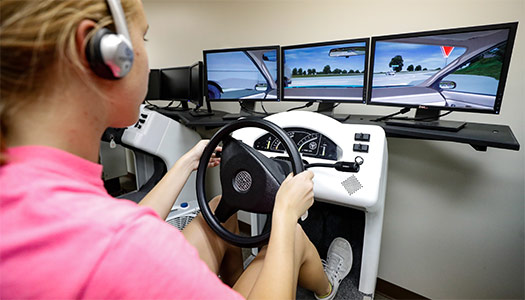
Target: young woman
x: 62, y: 235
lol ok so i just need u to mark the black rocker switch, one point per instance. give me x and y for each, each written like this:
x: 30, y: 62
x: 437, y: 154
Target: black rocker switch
x: 363, y: 137
x: 360, y: 148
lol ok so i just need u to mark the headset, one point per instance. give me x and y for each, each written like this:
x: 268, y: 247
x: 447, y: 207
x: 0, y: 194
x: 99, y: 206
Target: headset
x: 110, y: 55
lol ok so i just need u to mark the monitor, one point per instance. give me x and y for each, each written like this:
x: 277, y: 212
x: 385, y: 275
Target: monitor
x: 153, y: 85
x: 175, y: 84
x: 456, y: 69
x: 196, y: 84
x: 325, y: 72
x: 242, y: 74
x: 197, y: 91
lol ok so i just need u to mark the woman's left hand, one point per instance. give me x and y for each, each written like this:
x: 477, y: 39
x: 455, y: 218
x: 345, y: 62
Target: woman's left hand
x: 194, y: 155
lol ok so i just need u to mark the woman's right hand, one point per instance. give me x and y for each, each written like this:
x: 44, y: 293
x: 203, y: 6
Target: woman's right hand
x: 295, y: 195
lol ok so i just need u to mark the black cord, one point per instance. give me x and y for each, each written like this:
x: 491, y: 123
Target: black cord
x: 431, y: 118
x: 150, y: 105
x: 404, y: 110
x: 252, y: 111
x: 264, y: 109
x: 322, y: 165
x: 302, y: 106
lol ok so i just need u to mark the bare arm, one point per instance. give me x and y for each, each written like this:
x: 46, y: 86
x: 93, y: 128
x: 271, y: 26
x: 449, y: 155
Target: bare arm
x: 293, y: 198
x: 164, y: 194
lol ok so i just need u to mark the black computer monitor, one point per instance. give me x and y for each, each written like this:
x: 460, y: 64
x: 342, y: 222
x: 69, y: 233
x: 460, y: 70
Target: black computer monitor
x: 196, y: 84
x: 461, y: 69
x: 153, y: 85
x: 242, y: 74
x: 197, y: 90
x: 325, y: 72
x: 175, y: 84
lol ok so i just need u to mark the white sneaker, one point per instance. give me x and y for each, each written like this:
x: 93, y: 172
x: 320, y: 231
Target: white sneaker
x: 337, y: 265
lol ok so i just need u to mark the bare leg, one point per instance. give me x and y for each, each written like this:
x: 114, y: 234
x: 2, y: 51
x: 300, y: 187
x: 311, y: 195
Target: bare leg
x: 221, y: 257
x: 308, y: 269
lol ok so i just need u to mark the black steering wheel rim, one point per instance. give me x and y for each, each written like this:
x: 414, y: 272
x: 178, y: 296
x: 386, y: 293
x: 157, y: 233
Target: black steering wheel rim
x: 209, y: 216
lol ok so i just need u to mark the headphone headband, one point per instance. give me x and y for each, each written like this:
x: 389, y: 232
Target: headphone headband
x: 115, y: 7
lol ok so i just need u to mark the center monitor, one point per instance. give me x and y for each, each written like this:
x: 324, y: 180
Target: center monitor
x: 325, y: 72
x: 242, y: 74
x: 457, y: 69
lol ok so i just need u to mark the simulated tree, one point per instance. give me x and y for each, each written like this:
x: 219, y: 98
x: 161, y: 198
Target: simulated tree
x: 396, y: 63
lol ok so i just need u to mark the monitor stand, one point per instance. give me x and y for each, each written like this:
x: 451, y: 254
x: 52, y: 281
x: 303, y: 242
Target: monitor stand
x: 428, y: 119
x: 243, y: 112
x: 197, y: 112
x: 327, y: 109
x: 184, y: 107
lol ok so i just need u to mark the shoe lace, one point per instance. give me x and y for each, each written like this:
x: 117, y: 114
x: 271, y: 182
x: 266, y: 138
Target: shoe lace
x: 332, y: 266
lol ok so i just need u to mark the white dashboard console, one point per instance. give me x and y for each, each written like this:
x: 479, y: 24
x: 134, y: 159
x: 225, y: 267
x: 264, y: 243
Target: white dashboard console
x: 160, y: 136
x: 321, y: 139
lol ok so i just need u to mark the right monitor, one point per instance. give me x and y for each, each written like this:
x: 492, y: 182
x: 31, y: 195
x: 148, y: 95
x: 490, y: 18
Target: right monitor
x: 325, y: 72
x: 457, y: 69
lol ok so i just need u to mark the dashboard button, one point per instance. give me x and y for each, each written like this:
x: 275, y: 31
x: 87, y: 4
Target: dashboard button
x: 360, y: 148
x: 364, y: 137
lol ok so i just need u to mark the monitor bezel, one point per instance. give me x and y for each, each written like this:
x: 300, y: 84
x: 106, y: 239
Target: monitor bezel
x: 328, y: 43
x: 251, y: 48
x: 200, y: 66
x: 162, y: 95
x: 511, y: 26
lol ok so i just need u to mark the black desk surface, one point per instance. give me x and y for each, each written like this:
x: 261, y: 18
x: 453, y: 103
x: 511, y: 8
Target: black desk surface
x: 478, y: 135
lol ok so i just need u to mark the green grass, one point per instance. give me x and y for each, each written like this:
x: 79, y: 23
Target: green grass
x: 490, y: 67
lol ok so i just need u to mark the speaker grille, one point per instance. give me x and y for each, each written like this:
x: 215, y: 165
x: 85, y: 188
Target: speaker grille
x: 242, y: 181
x: 183, y: 221
x: 352, y: 185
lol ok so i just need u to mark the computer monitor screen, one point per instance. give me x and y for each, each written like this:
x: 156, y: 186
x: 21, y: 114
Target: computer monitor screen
x: 153, y: 85
x: 458, y: 69
x: 196, y: 84
x: 331, y: 71
x: 242, y: 74
x: 175, y: 83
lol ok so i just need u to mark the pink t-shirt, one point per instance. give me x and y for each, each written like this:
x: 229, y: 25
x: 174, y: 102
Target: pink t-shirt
x: 62, y: 236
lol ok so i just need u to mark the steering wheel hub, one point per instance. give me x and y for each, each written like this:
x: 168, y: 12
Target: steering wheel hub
x: 249, y: 179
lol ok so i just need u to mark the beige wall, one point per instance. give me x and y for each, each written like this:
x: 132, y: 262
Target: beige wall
x: 454, y: 220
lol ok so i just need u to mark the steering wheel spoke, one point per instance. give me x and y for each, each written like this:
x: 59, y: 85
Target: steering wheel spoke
x: 224, y: 210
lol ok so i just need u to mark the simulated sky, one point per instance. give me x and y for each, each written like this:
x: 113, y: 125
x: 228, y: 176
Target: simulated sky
x: 318, y: 57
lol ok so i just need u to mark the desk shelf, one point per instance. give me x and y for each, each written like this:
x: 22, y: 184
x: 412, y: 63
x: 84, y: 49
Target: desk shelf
x: 479, y: 135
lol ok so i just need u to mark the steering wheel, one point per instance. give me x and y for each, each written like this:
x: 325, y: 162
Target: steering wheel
x: 249, y: 180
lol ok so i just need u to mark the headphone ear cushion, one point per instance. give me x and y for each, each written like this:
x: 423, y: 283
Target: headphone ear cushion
x: 94, y: 54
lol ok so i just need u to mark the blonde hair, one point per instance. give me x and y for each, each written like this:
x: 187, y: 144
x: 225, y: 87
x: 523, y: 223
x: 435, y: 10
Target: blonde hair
x: 38, y: 37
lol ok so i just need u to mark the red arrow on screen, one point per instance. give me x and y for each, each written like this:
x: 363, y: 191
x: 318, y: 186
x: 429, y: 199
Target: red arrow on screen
x: 446, y: 50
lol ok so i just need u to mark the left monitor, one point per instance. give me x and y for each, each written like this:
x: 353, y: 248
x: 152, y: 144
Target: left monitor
x: 175, y: 84
x: 242, y: 74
